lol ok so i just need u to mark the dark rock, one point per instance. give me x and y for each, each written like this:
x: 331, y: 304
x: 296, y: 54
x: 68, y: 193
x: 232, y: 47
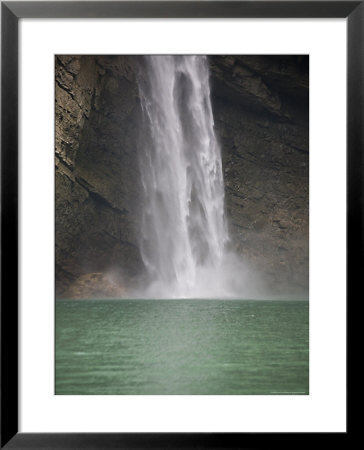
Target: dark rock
x: 96, y: 167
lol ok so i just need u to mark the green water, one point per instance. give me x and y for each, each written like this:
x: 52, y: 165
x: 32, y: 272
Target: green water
x: 181, y: 347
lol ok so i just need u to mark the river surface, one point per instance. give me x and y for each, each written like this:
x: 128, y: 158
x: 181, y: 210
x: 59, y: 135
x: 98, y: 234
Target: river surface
x: 199, y: 347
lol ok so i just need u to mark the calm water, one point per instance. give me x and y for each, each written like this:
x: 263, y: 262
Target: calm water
x: 181, y: 347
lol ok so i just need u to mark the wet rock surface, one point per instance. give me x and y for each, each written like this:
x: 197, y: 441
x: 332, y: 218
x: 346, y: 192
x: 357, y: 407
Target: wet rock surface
x: 265, y: 151
x: 95, y: 286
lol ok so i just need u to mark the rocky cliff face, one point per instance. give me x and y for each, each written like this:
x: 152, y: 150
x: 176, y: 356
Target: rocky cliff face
x: 261, y: 115
x: 97, y: 176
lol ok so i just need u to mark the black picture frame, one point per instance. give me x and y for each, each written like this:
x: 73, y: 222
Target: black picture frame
x: 11, y: 12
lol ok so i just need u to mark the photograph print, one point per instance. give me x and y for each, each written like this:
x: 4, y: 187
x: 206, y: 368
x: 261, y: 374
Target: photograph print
x: 182, y: 224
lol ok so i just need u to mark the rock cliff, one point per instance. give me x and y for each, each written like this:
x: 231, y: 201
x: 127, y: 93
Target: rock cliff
x: 261, y: 116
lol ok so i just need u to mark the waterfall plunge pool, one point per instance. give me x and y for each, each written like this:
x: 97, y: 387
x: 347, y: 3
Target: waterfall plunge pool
x: 191, y: 347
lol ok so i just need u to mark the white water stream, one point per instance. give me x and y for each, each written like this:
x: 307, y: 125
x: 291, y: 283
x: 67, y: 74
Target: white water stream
x: 183, y: 227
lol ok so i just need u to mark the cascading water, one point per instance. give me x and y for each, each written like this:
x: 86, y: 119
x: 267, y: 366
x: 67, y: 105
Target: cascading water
x: 183, y: 229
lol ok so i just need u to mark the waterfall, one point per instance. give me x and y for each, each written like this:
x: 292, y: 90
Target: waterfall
x: 183, y: 228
